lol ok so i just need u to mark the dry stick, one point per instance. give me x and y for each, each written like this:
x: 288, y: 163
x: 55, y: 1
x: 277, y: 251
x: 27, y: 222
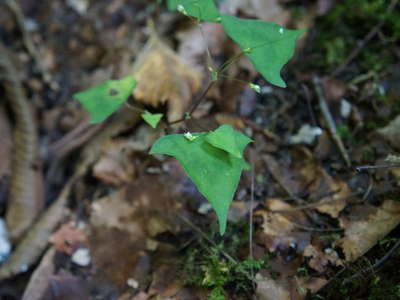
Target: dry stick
x: 329, y: 120
x: 367, y: 39
x: 251, y: 220
x: 368, y: 167
x: 375, y: 265
x: 309, y: 107
x: 197, y: 102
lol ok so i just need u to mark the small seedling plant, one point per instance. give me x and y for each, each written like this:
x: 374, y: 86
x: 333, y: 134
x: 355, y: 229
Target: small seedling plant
x: 212, y: 160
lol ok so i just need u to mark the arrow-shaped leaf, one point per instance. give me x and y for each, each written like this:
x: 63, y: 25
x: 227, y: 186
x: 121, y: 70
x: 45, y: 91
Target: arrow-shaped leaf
x: 151, y: 119
x: 215, y: 172
x: 229, y: 140
x: 204, y: 10
x: 104, y: 99
x: 268, y: 45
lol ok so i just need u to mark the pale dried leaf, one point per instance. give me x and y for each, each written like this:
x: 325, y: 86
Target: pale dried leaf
x: 163, y: 77
x: 337, y: 202
x: 313, y: 284
x: 68, y: 237
x: 279, y: 289
x: 362, y: 234
x: 115, y: 166
x: 392, y: 132
x: 319, y: 260
x: 283, y: 229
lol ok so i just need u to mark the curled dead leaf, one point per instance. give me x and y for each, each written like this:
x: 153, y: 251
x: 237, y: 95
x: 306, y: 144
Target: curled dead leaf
x: 164, y: 77
x: 282, y: 230
x: 362, y: 234
x: 392, y: 132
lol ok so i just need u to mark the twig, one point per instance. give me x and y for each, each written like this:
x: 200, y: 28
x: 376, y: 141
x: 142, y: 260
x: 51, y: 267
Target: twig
x: 367, y: 39
x: 309, y: 107
x: 196, y: 103
x: 375, y: 265
x: 329, y: 120
x: 369, y: 167
x: 251, y: 219
x: 315, y: 204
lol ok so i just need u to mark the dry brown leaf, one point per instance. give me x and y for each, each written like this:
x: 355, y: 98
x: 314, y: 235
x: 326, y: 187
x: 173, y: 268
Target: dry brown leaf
x: 305, y: 175
x: 313, y: 284
x: 282, y: 288
x: 68, y: 238
x: 115, y: 166
x: 320, y: 260
x: 335, y: 203
x: 281, y: 230
x: 392, y: 132
x: 129, y: 218
x: 362, y: 234
x: 164, y: 77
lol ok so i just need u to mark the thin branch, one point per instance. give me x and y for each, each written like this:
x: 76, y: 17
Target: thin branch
x: 329, y: 120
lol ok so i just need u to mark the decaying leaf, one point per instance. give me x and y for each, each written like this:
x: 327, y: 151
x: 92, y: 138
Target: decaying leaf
x: 305, y: 175
x: 283, y: 229
x: 130, y: 218
x: 115, y: 166
x: 319, y: 259
x: 163, y: 77
x: 392, y: 132
x: 280, y: 289
x: 68, y: 238
x: 371, y: 226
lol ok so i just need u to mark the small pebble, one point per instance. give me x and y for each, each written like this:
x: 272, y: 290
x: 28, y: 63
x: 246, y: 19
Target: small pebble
x: 81, y: 257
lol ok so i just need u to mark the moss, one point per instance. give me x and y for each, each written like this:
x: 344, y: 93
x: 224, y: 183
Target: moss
x: 205, y: 266
x: 341, y: 30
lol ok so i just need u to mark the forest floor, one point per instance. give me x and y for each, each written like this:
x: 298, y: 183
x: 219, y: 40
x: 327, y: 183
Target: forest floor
x: 97, y: 217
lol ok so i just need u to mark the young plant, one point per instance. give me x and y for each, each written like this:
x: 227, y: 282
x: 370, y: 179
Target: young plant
x: 213, y: 160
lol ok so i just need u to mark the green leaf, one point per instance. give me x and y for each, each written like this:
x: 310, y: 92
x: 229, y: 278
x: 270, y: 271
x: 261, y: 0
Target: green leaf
x: 104, y: 99
x: 215, y: 172
x: 204, y: 10
x: 269, y: 46
x: 151, y: 119
x: 229, y: 140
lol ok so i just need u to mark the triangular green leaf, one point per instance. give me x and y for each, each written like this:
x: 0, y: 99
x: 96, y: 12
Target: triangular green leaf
x: 229, y: 140
x: 269, y: 46
x: 204, y: 10
x: 151, y: 119
x: 104, y: 99
x: 215, y: 172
